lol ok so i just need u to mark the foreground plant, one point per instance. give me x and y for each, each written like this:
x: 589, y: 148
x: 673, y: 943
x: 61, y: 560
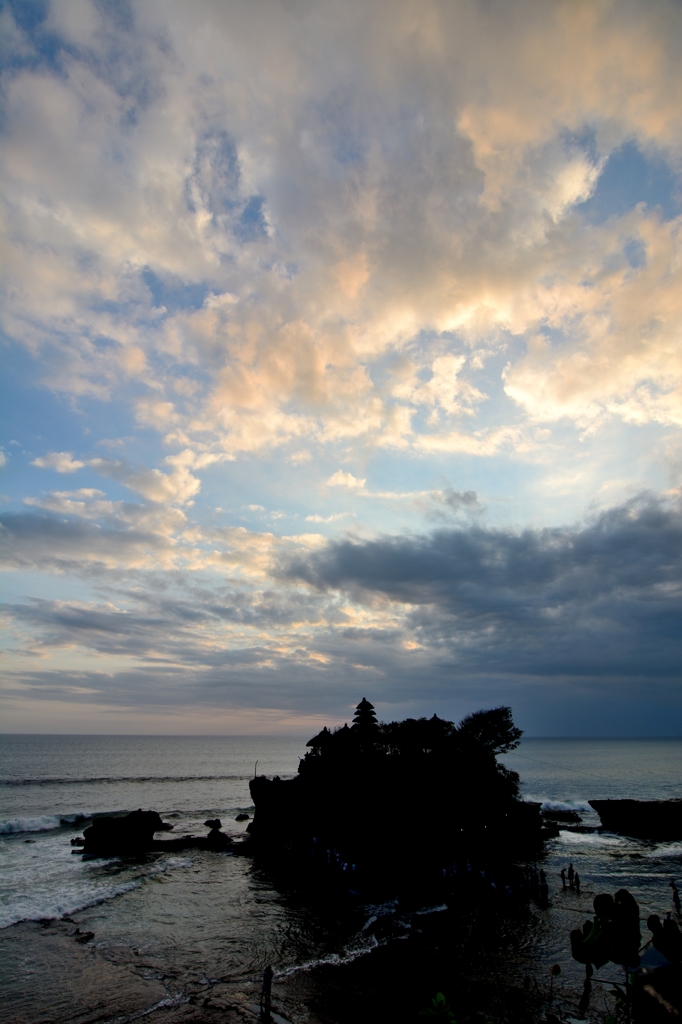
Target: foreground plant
x: 440, y: 1010
x: 613, y: 936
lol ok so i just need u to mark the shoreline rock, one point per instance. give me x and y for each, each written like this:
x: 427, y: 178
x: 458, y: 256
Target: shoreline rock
x: 133, y: 834
x: 642, y: 819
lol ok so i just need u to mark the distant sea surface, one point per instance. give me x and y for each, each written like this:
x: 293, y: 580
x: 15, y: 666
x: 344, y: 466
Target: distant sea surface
x: 181, y: 922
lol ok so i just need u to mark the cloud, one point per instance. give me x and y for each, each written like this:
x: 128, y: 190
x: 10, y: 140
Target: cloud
x: 341, y: 479
x: 441, y: 241
x: 603, y: 598
x: 328, y: 519
x: 62, y: 462
x: 448, y: 503
x: 251, y: 272
x: 154, y: 413
x: 32, y: 541
x: 445, y: 390
x: 300, y: 457
x: 176, y: 487
x: 93, y: 505
x: 459, y: 617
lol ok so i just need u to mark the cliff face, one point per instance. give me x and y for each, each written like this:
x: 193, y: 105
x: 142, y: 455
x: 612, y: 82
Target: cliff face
x: 411, y: 797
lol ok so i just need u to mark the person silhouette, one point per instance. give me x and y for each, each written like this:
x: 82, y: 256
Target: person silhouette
x: 266, y: 993
x: 666, y: 937
x: 676, y: 895
x: 571, y: 874
x: 576, y: 880
x: 563, y: 878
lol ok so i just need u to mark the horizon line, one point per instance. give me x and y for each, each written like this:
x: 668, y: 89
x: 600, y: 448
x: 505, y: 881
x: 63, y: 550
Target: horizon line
x: 293, y: 736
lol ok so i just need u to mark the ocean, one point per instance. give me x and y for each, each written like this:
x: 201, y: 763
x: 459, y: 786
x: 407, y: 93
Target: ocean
x: 174, y: 929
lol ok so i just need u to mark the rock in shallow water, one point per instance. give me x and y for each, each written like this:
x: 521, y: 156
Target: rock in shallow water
x: 642, y: 819
x: 133, y: 834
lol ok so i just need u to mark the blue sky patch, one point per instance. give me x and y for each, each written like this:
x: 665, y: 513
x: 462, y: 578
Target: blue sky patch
x: 631, y: 177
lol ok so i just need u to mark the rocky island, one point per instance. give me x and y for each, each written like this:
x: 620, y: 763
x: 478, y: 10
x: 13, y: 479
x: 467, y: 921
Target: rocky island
x: 351, y: 808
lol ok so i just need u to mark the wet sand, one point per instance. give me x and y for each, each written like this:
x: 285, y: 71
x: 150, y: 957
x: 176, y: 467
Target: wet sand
x: 491, y: 966
x: 55, y: 973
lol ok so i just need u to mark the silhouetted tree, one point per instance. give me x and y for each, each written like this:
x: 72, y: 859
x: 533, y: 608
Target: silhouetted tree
x: 493, y: 731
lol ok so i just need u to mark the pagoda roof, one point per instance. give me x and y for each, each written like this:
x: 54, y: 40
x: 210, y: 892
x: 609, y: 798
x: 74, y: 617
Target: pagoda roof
x: 318, y: 740
x: 364, y: 705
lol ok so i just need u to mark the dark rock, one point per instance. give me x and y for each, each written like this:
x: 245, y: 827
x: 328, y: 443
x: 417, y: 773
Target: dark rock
x: 571, y: 817
x: 642, y: 819
x: 29, y: 840
x: 132, y: 833
x: 242, y: 817
x: 216, y: 840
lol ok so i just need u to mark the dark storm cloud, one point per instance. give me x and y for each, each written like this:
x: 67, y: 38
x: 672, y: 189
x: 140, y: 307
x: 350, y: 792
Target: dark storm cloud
x: 43, y: 541
x: 154, y: 628
x: 573, y: 627
x: 605, y: 598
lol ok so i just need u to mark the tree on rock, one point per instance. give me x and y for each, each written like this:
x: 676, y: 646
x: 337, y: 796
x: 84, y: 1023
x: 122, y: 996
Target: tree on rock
x: 493, y: 731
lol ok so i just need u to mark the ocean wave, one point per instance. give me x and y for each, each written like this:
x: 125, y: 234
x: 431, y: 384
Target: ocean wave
x: 54, y: 780
x: 666, y: 850
x: 71, y: 893
x: 42, y: 823
x: 63, y: 906
x: 593, y: 839
x: 581, y: 806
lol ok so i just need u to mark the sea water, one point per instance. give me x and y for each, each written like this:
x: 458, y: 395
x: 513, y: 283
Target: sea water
x: 194, y: 918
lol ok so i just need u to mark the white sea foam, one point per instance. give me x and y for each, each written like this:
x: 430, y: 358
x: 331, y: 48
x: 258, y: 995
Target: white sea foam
x: 335, y: 959
x: 592, y: 839
x: 374, y: 912
x: 42, y: 823
x: 371, y: 942
x: 581, y: 806
x: 666, y: 850
x: 169, y: 1001
x: 35, y: 907
x: 46, y: 881
x: 431, y: 910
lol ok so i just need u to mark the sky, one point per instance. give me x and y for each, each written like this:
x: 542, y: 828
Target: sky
x: 341, y: 358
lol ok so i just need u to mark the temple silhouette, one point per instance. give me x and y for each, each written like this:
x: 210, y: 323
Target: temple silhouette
x: 398, y: 803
